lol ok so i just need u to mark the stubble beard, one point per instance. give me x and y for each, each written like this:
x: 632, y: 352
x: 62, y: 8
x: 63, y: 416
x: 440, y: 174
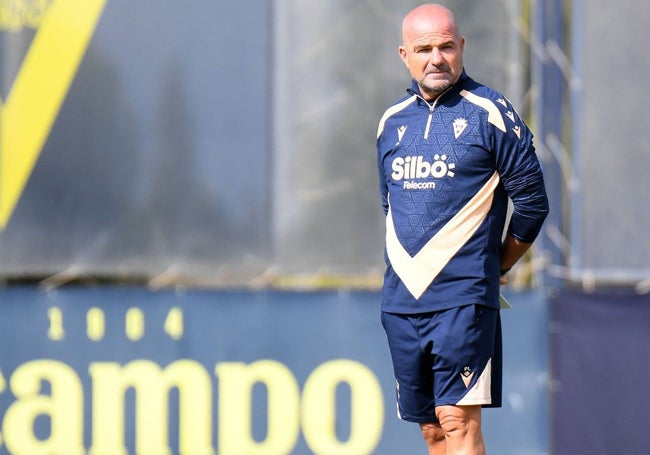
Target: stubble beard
x: 434, y: 90
x: 436, y: 87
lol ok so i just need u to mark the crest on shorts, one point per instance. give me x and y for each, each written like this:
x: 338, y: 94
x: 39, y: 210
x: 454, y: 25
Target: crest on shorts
x: 466, y: 375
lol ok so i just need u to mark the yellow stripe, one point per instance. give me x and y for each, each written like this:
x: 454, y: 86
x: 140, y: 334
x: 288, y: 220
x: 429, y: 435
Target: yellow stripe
x: 419, y: 271
x: 392, y: 110
x: 39, y: 90
x: 494, y: 114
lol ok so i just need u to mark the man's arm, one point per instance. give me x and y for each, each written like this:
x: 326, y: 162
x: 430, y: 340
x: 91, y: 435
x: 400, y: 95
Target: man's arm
x: 511, y: 252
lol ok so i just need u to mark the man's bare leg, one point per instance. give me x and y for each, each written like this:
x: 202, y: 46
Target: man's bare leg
x: 434, y: 436
x: 462, y: 429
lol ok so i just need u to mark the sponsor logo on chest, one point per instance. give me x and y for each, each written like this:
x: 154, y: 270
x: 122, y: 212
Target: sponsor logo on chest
x: 418, y: 172
x: 413, y: 169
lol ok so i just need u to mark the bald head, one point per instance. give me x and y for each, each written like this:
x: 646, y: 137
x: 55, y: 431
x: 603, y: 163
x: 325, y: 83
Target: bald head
x: 427, y: 18
x: 432, y: 48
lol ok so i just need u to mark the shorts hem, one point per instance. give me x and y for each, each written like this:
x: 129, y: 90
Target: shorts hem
x: 474, y: 402
x: 426, y: 419
x: 418, y: 419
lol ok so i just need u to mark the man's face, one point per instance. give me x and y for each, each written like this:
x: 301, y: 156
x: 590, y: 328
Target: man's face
x: 433, y: 53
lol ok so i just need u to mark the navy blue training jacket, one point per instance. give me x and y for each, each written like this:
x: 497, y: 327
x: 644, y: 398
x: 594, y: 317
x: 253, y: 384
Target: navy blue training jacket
x: 446, y: 170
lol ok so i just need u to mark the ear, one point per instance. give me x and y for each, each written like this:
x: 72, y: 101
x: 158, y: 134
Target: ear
x: 403, y: 55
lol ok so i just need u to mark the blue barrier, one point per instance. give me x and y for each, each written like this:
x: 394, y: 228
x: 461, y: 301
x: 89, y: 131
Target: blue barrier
x: 125, y: 370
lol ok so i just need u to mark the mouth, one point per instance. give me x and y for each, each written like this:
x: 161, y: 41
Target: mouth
x: 437, y: 74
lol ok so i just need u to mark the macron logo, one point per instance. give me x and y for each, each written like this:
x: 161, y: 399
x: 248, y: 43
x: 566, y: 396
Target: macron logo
x: 400, y: 133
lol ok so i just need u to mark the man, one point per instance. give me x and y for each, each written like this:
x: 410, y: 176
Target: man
x: 449, y: 156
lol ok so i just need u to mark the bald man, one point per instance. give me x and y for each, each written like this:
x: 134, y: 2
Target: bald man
x: 450, y: 154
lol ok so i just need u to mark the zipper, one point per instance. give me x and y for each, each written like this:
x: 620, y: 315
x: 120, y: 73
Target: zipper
x: 432, y: 106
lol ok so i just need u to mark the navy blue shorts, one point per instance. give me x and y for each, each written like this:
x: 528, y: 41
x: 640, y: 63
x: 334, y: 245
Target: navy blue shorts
x: 450, y: 357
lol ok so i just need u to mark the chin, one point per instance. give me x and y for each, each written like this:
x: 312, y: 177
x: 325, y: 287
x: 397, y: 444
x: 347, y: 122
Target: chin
x: 439, y: 87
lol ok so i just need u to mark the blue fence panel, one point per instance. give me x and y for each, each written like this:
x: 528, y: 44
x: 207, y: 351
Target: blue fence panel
x: 125, y: 370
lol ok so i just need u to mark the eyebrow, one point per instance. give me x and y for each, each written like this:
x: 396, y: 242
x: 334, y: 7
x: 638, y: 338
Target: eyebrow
x: 423, y: 46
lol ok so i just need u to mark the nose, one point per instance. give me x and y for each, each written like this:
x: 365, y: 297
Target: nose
x: 436, y: 58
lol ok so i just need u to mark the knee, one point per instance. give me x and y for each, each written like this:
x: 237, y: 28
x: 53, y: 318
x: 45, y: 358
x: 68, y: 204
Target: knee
x: 433, y: 433
x: 459, y: 422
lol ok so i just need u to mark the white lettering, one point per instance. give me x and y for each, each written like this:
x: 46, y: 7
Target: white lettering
x: 410, y: 185
x: 424, y: 168
x: 438, y: 169
x: 416, y: 167
x: 398, y: 169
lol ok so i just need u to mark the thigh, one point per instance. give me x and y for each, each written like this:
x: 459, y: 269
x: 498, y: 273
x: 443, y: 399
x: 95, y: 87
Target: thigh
x: 467, y: 357
x: 412, y: 367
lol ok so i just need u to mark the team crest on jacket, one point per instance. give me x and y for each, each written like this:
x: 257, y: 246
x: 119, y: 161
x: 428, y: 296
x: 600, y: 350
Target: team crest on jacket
x: 459, y: 126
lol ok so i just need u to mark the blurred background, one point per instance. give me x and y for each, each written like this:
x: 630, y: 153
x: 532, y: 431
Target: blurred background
x: 189, y: 205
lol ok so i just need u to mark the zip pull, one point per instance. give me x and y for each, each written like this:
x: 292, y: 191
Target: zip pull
x: 432, y: 107
x: 426, y: 131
